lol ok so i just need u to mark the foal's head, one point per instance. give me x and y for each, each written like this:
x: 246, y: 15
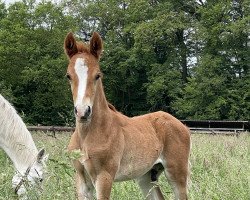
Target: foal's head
x: 83, y: 73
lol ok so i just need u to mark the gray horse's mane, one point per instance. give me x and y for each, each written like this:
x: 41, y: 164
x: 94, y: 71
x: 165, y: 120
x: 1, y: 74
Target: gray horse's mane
x: 15, y: 138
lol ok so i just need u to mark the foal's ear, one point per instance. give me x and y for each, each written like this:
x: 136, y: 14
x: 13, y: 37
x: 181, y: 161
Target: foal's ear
x: 96, y: 45
x: 70, y: 46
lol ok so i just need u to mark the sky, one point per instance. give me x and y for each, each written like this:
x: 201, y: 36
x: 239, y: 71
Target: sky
x: 7, y: 2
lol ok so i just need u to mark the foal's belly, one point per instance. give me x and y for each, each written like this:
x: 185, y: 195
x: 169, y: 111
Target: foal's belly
x: 134, y: 166
x: 132, y: 171
x: 141, y: 152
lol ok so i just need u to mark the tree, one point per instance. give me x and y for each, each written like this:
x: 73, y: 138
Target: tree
x: 143, y: 40
x: 217, y: 89
x: 190, y: 58
x: 33, y: 61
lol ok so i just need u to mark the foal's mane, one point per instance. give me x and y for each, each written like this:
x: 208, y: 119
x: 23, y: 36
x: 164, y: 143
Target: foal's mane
x: 14, y: 135
x: 82, y: 47
x: 111, y: 107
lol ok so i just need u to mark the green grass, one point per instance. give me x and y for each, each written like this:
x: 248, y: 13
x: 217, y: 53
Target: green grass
x: 220, y: 170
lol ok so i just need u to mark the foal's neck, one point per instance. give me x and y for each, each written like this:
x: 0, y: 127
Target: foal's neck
x: 100, y: 107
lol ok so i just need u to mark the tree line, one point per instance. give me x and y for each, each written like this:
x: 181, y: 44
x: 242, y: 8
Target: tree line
x: 189, y: 58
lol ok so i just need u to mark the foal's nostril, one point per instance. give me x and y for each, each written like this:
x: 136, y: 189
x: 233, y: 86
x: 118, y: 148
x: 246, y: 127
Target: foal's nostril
x: 88, y: 110
x: 75, y: 110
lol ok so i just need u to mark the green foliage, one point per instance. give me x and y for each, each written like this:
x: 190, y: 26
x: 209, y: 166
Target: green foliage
x: 217, y: 89
x: 33, y: 62
x: 187, y: 58
x: 6, y: 91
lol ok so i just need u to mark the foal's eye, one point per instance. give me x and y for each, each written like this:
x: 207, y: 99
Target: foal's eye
x: 68, y: 76
x: 97, y: 76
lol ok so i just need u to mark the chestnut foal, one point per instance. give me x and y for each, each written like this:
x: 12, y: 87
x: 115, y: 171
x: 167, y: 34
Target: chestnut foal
x: 115, y: 147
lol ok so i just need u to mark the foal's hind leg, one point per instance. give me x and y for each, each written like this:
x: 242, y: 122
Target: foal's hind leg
x: 177, y: 173
x: 149, y: 185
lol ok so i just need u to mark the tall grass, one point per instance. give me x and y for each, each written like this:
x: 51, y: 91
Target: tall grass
x: 220, y: 170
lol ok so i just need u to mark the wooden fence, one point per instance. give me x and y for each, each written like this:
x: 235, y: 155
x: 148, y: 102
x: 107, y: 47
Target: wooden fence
x: 219, y: 126
x: 194, y: 125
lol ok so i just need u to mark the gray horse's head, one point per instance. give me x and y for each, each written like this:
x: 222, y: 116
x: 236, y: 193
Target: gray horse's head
x: 33, y: 176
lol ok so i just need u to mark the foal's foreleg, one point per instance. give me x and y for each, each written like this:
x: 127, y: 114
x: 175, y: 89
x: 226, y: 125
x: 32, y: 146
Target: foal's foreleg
x: 103, y: 185
x: 84, y: 191
x: 84, y: 185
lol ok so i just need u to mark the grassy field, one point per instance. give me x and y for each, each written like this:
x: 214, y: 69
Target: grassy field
x: 220, y: 170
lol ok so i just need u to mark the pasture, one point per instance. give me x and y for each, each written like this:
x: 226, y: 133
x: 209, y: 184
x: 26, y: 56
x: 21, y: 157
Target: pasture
x: 220, y: 170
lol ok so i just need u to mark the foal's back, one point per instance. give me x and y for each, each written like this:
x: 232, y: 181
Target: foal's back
x: 160, y: 124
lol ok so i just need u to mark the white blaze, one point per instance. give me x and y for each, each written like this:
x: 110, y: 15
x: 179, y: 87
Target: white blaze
x: 81, y: 70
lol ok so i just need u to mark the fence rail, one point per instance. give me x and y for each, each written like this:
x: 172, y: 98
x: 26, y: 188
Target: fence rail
x: 51, y: 128
x: 194, y: 125
x: 215, y: 125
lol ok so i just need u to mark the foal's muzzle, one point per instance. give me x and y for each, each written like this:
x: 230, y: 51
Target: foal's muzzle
x: 83, y: 113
